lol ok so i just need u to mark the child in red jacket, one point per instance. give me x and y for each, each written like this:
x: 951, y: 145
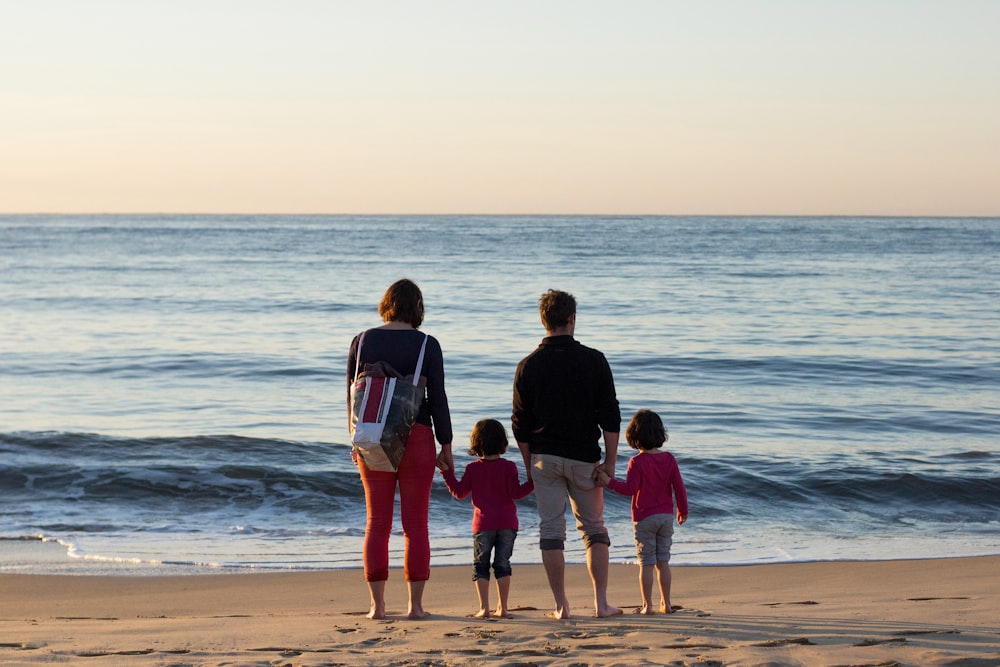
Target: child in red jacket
x: 493, y: 483
x: 653, y: 480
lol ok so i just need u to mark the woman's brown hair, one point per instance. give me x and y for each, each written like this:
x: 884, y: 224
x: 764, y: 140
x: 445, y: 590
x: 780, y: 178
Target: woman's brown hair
x: 403, y: 302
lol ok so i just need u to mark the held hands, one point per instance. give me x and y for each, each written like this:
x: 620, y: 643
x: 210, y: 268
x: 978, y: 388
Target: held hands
x: 444, y: 459
x: 604, y: 472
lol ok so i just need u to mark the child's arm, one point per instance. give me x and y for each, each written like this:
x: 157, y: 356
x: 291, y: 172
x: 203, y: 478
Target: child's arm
x: 456, y: 488
x: 680, y: 495
x: 631, y: 484
x: 515, y: 489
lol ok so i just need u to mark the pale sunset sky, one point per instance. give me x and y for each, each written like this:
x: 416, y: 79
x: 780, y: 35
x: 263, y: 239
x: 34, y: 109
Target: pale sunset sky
x: 851, y: 107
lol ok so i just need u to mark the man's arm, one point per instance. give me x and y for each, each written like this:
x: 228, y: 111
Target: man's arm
x: 526, y: 455
x: 610, y: 453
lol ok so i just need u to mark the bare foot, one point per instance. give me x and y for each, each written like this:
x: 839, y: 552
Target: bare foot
x: 377, y: 613
x: 608, y: 611
x: 501, y: 613
x: 665, y: 608
x: 645, y: 610
x: 482, y: 613
x: 559, y: 614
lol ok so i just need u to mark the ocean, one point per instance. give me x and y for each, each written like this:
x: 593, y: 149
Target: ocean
x: 172, y: 392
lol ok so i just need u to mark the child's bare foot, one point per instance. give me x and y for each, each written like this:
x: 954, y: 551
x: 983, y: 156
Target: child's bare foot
x: 376, y: 613
x: 645, y: 609
x: 482, y: 613
x: 608, y: 611
x: 501, y: 613
x: 665, y: 608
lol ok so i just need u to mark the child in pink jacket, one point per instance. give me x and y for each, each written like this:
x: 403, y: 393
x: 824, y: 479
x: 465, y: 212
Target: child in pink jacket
x: 653, y: 480
x: 493, y: 483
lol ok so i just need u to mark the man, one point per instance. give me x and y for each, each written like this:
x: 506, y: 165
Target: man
x: 564, y: 401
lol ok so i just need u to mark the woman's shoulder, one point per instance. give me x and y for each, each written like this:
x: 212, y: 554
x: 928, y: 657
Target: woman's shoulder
x: 383, y: 332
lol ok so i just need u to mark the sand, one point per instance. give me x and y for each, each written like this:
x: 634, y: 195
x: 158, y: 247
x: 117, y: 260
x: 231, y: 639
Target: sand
x: 907, y: 612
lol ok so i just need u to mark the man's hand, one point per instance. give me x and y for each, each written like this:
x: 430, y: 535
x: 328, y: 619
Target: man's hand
x: 444, y: 459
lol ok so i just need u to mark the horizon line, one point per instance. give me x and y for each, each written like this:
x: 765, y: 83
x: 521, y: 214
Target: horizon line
x: 483, y: 215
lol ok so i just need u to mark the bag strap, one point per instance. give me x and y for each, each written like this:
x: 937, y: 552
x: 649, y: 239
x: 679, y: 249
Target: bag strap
x: 416, y: 373
x: 420, y: 361
x: 357, y: 356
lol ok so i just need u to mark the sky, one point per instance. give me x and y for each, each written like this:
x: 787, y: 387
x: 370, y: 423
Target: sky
x: 786, y: 107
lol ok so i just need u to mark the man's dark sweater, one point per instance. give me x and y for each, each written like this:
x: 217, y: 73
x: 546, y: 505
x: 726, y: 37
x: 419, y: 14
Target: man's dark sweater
x: 564, y: 399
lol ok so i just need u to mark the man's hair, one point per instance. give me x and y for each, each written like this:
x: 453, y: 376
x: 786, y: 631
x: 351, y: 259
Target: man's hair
x: 488, y: 438
x: 402, y: 302
x: 556, y: 308
x: 645, y: 430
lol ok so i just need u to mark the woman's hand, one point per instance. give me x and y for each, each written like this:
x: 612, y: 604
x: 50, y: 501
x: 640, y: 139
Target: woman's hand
x: 444, y: 459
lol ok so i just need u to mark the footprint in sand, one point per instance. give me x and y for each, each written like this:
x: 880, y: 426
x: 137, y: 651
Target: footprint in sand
x: 802, y: 641
x: 877, y: 642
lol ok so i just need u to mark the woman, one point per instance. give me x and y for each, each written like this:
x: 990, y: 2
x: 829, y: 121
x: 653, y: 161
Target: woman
x: 397, y: 342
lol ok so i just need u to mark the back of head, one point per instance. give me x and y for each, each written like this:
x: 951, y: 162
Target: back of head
x: 403, y: 302
x: 645, y: 430
x: 489, y: 438
x: 556, y: 308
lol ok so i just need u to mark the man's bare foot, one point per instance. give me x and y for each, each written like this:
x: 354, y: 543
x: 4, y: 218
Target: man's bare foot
x: 482, y: 613
x: 377, y: 613
x: 608, y: 611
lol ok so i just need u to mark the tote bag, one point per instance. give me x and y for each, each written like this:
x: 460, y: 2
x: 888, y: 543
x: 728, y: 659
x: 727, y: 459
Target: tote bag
x: 384, y: 406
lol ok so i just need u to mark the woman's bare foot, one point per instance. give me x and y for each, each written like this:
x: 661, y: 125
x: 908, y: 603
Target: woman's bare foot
x: 416, y: 604
x: 377, y: 591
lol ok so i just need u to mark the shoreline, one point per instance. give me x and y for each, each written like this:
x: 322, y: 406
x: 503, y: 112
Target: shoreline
x: 937, y: 612
x: 49, y: 556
